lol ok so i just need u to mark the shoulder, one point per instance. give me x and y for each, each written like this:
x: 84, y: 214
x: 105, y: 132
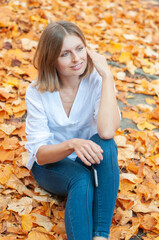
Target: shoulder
x: 32, y: 91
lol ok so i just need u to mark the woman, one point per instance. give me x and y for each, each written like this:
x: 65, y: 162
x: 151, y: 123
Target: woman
x: 72, y: 116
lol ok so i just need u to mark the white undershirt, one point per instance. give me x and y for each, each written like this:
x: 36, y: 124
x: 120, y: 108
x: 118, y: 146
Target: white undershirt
x: 47, y: 122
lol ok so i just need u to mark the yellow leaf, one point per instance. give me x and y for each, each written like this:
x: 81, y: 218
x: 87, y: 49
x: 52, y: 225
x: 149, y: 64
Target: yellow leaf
x: 149, y: 70
x: 14, y: 53
x: 19, y: 114
x: 150, y: 101
x: 145, y: 125
x: 13, y: 81
x: 38, y: 19
x: 27, y: 222
x: 114, y: 47
x: 125, y: 57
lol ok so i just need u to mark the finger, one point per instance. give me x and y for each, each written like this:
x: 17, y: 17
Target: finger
x: 83, y: 159
x: 98, y: 154
x: 99, y: 147
x: 93, y: 155
x: 96, y: 146
x: 90, y: 156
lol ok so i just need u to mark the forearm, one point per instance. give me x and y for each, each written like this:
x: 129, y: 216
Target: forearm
x: 108, y: 119
x: 53, y: 153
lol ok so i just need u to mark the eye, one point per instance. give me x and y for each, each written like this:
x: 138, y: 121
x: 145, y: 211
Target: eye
x: 80, y: 48
x: 65, y: 54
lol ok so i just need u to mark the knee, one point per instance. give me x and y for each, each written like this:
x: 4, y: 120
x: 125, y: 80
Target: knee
x: 97, y: 139
x: 108, y: 145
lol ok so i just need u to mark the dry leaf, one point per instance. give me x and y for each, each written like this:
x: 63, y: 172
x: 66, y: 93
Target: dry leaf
x: 22, y: 206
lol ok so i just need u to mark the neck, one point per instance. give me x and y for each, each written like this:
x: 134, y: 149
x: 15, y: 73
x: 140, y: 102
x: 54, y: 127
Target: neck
x: 69, y: 82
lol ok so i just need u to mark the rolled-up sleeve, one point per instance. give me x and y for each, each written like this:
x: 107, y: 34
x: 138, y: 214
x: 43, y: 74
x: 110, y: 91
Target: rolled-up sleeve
x: 37, y: 130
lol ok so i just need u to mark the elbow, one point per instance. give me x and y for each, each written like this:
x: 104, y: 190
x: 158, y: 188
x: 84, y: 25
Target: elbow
x: 106, y: 134
x: 40, y: 161
x: 39, y: 157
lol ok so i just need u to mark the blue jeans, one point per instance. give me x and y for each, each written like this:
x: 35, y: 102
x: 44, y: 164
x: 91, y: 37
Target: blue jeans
x: 89, y: 209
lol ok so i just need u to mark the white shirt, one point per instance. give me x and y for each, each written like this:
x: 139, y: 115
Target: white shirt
x: 47, y: 122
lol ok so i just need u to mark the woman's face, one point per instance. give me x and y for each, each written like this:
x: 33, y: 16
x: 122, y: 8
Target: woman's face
x: 72, y: 60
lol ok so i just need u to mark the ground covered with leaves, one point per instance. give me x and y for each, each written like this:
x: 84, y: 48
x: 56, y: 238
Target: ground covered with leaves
x: 127, y: 32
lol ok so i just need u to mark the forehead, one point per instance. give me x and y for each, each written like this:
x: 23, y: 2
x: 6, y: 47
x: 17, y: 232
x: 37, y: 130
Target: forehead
x: 71, y: 42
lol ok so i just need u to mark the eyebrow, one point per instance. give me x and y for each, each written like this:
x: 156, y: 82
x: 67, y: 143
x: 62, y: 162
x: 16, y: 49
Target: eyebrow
x: 69, y: 50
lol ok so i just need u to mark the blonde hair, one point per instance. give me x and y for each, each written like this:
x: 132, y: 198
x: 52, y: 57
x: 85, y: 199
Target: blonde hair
x: 48, y: 50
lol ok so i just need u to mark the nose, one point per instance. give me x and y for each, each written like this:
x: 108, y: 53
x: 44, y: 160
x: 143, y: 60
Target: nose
x: 75, y: 57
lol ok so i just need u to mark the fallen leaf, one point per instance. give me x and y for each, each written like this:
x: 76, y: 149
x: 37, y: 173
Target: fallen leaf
x: 22, y: 206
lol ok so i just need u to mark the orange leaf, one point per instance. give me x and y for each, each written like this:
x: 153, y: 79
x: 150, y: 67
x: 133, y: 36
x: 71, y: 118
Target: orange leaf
x: 5, y: 173
x: 6, y: 95
x: 130, y: 114
x: 6, y: 155
x: 10, y: 143
x: 148, y: 222
x: 59, y: 228
x: 133, y: 168
x: 155, y: 113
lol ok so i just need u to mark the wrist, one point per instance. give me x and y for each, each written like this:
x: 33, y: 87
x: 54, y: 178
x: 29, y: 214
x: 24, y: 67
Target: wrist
x: 107, y: 76
x: 71, y: 144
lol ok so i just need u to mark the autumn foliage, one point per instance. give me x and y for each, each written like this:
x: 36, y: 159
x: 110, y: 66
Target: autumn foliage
x: 127, y: 33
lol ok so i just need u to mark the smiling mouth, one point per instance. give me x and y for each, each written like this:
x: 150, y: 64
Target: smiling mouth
x: 77, y: 66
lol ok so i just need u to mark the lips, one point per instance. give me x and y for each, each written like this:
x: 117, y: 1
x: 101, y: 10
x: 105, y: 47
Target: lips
x: 77, y: 66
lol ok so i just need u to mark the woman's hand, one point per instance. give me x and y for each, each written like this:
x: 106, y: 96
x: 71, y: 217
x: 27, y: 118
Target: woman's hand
x: 100, y: 63
x: 88, y: 151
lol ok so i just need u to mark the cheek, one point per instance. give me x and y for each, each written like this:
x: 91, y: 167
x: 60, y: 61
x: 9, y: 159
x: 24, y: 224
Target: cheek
x: 62, y: 64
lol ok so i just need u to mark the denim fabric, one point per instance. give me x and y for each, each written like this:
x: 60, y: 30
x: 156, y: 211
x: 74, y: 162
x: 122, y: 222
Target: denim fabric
x: 89, y: 209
